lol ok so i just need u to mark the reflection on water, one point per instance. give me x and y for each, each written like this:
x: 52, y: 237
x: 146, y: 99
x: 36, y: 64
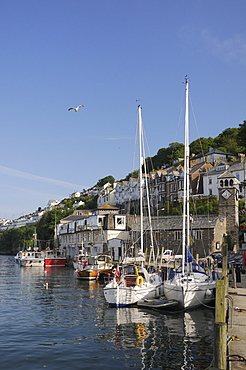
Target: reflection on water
x: 49, y: 317
x: 169, y: 341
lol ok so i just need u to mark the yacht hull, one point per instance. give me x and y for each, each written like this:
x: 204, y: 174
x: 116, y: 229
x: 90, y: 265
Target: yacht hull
x: 125, y: 296
x: 190, y: 294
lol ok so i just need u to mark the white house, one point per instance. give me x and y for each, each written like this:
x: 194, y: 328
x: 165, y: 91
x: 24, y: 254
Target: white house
x: 91, y: 232
x: 210, y: 179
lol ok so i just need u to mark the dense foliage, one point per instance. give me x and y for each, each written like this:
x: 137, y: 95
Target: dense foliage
x: 133, y: 174
x: 231, y: 140
x: 105, y: 180
x: 242, y: 136
x: 17, y: 239
x: 46, y: 226
x: 198, y: 206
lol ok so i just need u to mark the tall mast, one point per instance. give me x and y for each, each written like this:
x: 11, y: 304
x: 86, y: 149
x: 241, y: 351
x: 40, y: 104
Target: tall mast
x: 140, y: 132
x: 186, y: 198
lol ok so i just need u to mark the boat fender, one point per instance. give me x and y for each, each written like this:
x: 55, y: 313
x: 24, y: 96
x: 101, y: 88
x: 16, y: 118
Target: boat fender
x: 208, y: 293
x: 139, y: 280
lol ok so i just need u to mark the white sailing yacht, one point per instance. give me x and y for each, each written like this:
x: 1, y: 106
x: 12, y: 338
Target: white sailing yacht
x: 132, y: 282
x: 190, y: 285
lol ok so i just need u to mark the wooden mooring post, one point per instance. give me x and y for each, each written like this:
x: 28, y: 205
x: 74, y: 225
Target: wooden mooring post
x: 220, y: 345
x: 220, y: 325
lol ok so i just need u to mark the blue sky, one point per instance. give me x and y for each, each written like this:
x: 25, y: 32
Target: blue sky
x: 106, y: 54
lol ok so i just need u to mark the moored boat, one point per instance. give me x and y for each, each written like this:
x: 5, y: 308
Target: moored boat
x: 190, y: 284
x: 158, y: 304
x: 79, y: 260
x: 53, y: 258
x: 18, y: 256
x: 31, y: 259
x: 132, y: 282
x: 88, y: 273
x: 104, y: 265
x: 95, y: 267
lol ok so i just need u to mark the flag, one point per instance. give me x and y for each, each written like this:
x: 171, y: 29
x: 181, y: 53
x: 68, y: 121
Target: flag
x: 189, y: 255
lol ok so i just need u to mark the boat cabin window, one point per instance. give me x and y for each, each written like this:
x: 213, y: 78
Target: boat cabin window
x: 129, y: 270
x: 101, y: 258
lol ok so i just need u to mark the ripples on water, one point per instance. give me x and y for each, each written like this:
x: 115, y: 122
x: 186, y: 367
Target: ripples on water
x: 49, y: 319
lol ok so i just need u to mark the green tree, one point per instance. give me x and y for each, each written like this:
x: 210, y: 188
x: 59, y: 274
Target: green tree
x: 227, y: 141
x: 166, y: 156
x: 205, y: 205
x: 104, y: 181
x: 242, y: 136
x: 201, y: 145
x: 90, y: 202
x: 46, y: 225
x: 133, y: 174
x: 13, y: 240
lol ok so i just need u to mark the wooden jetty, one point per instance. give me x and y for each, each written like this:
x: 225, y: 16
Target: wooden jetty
x: 230, y: 322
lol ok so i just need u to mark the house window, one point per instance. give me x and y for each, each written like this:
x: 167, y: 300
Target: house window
x: 177, y: 235
x: 119, y: 221
x: 198, y: 234
x: 210, y: 180
x: 210, y: 192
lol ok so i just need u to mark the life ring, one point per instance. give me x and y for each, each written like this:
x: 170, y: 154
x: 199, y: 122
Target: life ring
x: 139, y: 280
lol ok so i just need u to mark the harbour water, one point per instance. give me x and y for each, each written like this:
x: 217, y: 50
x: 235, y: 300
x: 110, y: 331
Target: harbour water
x: 49, y: 319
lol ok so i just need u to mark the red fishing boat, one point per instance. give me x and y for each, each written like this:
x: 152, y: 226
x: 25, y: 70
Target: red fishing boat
x: 54, y: 258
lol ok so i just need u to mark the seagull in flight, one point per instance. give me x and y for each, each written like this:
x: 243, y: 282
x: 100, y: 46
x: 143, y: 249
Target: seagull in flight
x: 76, y: 109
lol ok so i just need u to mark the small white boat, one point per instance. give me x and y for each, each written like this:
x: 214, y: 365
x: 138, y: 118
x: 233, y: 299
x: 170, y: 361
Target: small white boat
x: 31, y: 259
x: 131, y: 284
x: 18, y: 257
